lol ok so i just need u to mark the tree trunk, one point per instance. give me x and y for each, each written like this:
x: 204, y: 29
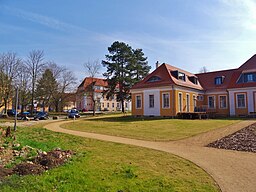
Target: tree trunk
x: 122, y: 103
x: 22, y: 108
x: 32, y: 103
x: 93, y: 101
x: 5, y: 106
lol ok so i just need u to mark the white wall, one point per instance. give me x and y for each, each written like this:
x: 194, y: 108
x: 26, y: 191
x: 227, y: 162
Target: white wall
x: 156, y: 109
x: 249, y: 100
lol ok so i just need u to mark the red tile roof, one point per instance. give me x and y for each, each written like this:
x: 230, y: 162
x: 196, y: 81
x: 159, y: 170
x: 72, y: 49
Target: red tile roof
x: 98, y: 82
x: 165, y: 73
x: 206, y: 80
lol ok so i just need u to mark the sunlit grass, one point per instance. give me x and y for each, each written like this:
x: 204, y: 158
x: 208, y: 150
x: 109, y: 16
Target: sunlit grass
x: 105, y: 166
x: 160, y: 129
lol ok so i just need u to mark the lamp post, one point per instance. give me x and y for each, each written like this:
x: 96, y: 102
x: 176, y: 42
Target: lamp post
x: 16, y: 109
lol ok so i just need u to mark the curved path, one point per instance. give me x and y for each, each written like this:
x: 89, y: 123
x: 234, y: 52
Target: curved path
x: 233, y: 171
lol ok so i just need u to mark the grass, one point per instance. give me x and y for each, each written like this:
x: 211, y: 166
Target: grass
x: 105, y: 166
x: 156, y: 129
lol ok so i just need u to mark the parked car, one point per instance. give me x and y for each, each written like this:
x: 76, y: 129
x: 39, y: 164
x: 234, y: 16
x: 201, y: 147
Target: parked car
x: 24, y: 115
x: 11, y: 112
x: 73, y: 113
x: 41, y: 116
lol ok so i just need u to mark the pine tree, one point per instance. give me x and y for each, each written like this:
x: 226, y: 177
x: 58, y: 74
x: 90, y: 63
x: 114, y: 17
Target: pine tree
x: 125, y: 67
x: 47, y: 86
x: 139, y: 67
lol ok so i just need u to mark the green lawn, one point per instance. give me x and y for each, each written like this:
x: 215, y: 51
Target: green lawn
x: 147, y: 128
x: 104, y: 166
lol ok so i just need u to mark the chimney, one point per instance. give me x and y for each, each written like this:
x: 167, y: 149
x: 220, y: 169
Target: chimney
x: 157, y: 64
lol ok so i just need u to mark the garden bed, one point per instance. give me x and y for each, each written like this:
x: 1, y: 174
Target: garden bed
x: 242, y: 140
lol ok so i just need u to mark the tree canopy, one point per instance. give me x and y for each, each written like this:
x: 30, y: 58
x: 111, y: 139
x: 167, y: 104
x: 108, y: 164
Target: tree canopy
x: 47, y: 87
x: 125, y: 67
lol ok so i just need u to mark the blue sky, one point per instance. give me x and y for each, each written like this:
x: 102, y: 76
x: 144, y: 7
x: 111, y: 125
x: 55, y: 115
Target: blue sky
x: 189, y: 34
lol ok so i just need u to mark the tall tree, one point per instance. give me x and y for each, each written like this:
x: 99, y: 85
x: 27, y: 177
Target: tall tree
x: 123, y: 66
x: 138, y: 66
x: 35, y: 64
x: 65, y: 81
x: 46, y: 88
x: 92, y: 69
x: 23, y: 83
x: 9, y: 70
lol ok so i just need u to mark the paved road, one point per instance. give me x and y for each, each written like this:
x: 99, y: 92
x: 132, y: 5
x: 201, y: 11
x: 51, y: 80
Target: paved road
x: 233, y: 171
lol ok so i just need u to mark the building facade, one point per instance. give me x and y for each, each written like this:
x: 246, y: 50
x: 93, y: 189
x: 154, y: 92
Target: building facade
x: 169, y: 90
x: 94, y: 88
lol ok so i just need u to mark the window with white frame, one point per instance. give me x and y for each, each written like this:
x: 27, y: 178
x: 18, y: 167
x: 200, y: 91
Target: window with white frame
x: 151, y: 101
x: 194, y: 101
x: 211, y: 102
x: 200, y: 97
x: 240, y: 100
x: 223, y: 101
x: 113, y: 105
x: 218, y: 80
x: 138, y: 101
x: 180, y: 102
x: 166, y: 100
x: 181, y: 76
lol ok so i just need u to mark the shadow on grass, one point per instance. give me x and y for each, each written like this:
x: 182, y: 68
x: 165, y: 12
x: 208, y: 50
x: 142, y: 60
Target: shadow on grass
x: 128, y: 118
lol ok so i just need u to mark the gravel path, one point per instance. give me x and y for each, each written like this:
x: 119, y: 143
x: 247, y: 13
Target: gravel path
x: 242, y: 140
x: 233, y: 171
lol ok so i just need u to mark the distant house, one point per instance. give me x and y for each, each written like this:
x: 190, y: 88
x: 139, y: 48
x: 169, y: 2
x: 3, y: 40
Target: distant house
x: 69, y: 101
x: 169, y: 90
x: 93, y: 88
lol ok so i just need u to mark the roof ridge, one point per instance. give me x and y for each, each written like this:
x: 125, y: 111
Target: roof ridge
x: 225, y: 70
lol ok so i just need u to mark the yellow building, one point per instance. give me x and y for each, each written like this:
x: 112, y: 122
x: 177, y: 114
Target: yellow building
x: 169, y: 90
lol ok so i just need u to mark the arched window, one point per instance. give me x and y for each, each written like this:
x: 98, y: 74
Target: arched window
x: 154, y: 79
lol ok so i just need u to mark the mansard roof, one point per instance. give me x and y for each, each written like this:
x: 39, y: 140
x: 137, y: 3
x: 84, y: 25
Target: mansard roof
x: 167, y: 75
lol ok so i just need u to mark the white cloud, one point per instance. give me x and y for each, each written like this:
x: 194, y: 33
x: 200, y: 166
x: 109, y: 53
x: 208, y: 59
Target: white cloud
x: 41, y: 19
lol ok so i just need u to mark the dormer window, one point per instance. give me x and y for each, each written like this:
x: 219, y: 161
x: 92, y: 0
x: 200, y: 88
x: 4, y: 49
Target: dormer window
x: 154, y: 79
x: 250, y: 77
x: 247, y: 78
x: 193, y: 79
x: 219, y: 80
x: 181, y: 76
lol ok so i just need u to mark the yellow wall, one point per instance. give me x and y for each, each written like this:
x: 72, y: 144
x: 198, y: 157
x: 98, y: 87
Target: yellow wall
x: 167, y: 111
x: 134, y: 110
x: 184, y: 101
x: 217, y: 109
x: 241, y: 111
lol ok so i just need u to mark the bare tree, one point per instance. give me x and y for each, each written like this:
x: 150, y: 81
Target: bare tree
x: 23, y: 84
x: 65, y: 80
x: 92, y: 69
x: 203, y: 70
x: 66, y: 85
x: 56, y: 69
x: 35, y: 64
x: 9, y: 70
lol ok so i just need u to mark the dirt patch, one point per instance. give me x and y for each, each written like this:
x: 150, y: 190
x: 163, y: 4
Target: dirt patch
x: 42, y: 162
x: 243, y: 140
